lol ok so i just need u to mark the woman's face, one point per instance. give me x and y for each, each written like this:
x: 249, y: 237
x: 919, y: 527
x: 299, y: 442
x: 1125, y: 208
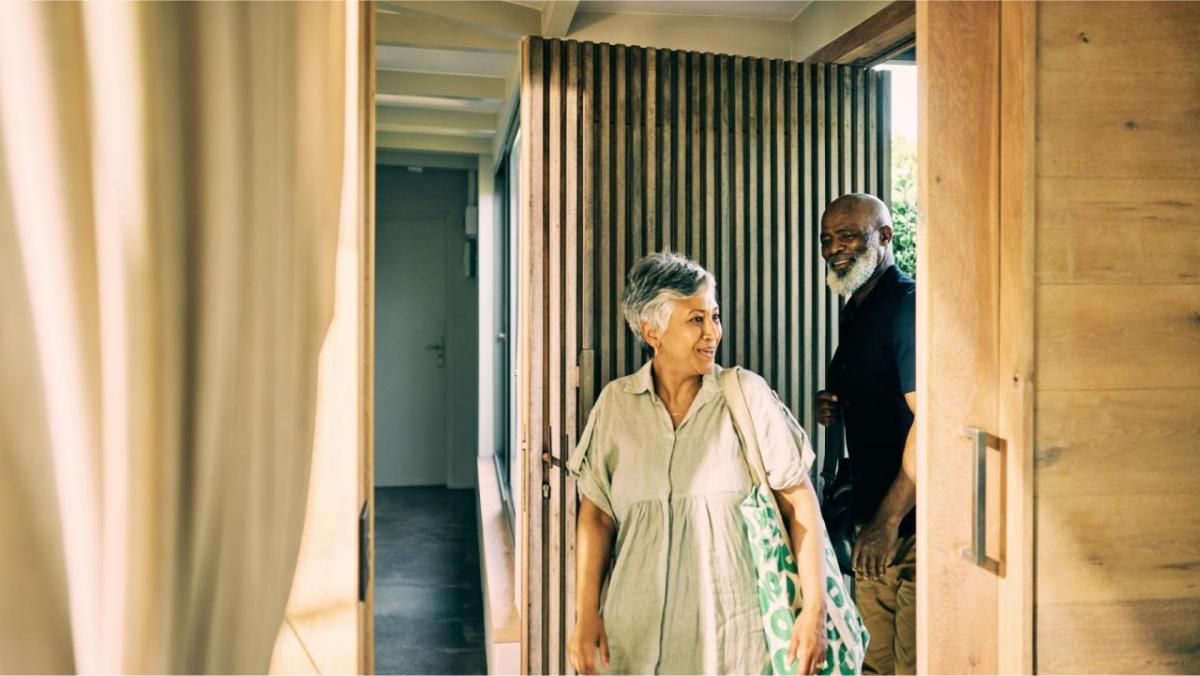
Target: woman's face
x: 693, y: 333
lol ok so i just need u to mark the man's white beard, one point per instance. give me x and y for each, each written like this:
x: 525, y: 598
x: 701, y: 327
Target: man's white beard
x: 850, y: 281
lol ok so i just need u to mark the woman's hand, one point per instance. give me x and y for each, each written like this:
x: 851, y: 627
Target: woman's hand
x: 586, y: 637
x: 808, y: 640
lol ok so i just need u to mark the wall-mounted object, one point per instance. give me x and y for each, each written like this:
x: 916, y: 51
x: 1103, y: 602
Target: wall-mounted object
x: 469, y: 257
x: 471, y: 222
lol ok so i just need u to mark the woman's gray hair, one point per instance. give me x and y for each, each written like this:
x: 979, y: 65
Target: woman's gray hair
x: 654, y: 282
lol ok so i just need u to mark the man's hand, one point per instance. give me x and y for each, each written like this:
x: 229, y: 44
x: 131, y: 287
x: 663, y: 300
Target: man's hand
x: 829, y: 409
x: 581, y: 647
x: 875, y: 549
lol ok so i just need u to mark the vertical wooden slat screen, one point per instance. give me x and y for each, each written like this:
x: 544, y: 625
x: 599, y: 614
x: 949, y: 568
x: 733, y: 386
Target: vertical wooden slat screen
x: 728, y: 160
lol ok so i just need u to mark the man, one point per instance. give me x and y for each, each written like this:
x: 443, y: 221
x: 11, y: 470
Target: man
x: 872, y: 387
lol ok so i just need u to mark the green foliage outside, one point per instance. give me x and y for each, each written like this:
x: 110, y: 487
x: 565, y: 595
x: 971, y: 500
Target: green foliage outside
x: 904, y: 204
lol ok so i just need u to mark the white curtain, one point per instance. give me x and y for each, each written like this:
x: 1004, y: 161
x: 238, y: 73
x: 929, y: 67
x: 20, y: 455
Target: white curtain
x: 170, y: 186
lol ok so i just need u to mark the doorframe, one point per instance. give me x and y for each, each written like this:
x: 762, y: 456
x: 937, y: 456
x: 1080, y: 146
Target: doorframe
x: 366, y: 337
x: 1011, y: 199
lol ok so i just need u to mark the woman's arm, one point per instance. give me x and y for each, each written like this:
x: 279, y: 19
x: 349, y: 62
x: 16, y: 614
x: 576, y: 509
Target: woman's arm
x: 806, y: 530
x: 593, y: 544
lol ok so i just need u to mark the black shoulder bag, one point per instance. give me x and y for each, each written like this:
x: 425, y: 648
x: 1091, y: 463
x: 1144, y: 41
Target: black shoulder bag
x: 836, y: 508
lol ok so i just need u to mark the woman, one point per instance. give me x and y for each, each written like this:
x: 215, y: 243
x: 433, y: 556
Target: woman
x: 661, y: 473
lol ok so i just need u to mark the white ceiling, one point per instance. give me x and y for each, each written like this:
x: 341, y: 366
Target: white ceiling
x: 446, y: 61
x: 448, y: 70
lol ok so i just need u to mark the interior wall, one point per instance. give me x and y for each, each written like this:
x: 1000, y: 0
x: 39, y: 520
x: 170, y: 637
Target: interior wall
x: 1118, y: 338
x: 442, y: 193
x: 823, y: 22
x: 764, y: 38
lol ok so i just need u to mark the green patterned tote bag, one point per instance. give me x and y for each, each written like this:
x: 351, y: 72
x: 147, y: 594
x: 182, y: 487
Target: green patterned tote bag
x: 775, y: 566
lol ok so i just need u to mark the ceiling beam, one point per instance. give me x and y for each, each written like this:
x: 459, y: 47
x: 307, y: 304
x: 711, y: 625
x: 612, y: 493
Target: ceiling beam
x: 503, y: 17
x: 450, y: 61
x: 386, y: 118
x: 420, y: 30
x: 884, y: 32
x: 411, y: 158
x: 557, y: 16
x: 409, y: 83
x: 433, y: 143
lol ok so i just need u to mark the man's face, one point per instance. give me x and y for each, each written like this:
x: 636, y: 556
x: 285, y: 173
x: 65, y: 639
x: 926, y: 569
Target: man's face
x: 852, y: 247
x: 845, y: 236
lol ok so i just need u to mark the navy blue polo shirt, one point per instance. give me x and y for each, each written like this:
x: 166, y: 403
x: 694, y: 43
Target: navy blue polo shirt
x: 874, y: 366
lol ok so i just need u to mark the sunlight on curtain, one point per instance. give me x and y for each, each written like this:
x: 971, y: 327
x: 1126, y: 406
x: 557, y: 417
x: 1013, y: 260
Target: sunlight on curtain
x: 170, y: 195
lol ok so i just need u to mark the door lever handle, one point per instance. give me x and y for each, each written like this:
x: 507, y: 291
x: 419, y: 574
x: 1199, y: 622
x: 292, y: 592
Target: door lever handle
x: 439, y: 348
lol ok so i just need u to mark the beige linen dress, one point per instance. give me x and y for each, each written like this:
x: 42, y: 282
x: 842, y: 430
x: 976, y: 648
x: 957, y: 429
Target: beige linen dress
x: 680, y: 595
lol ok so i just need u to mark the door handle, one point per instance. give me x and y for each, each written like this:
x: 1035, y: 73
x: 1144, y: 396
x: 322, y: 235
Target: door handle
x: 977, y: 551
x: 439, y: 349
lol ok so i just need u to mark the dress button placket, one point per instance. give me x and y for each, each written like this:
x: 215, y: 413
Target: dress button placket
x: 672, y: 436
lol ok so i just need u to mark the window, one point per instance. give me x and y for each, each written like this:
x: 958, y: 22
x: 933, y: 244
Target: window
x: 903, y: 200
x: 508, y: 187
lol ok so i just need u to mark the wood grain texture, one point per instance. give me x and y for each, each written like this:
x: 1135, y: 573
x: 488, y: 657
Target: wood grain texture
x: 555, y: 636
x: 621, y: 173
x: 957, y: 324
x: 366, y: 328
x: 571, y: 282
x: 1124, y: 637
x: 1118, y: 231
x: 530, y: 357
x: 893, y: 24
x: 1017, y: 348
x: 1118, y: 338
x: 1105, y: 336
x: 1110, y: 37
x: 1118, y: 124
x: 1094, y: 549
x: 1086, y: 439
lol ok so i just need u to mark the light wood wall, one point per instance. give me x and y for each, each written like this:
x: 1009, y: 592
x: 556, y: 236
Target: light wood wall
x: 627, y: 151
x: 1118, y: 338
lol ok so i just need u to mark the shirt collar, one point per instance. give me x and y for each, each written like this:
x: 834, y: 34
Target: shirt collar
x: 641, y: 381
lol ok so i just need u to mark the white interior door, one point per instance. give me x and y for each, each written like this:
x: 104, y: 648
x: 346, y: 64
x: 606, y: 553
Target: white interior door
x: 410, y: 346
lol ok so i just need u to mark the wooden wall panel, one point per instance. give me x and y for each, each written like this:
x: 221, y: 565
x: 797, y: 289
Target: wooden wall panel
x: 728, y: 160
x: 1118, y: 338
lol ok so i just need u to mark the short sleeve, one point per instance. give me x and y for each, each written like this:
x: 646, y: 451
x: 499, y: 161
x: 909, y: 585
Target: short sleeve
x: 786, y: 452
x: 592, y: 476
x: 904, y: 341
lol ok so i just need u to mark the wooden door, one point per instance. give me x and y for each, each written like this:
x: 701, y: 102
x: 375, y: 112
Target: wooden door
x: 974, y: 337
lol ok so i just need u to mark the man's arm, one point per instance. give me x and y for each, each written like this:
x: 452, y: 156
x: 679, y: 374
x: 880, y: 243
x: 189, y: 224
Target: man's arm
x: 876, y: 543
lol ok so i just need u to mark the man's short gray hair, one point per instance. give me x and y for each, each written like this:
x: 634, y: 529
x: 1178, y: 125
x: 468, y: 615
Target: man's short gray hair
x: 654, y: 282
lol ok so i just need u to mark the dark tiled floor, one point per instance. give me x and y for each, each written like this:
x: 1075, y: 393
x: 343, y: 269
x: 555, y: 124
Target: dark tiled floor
x: 428, y: 604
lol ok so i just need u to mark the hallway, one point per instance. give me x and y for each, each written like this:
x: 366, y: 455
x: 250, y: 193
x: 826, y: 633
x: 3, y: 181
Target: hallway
x: 428, y: 602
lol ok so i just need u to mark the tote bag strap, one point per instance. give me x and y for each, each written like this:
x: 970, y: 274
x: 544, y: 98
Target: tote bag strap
x: 735, y: 399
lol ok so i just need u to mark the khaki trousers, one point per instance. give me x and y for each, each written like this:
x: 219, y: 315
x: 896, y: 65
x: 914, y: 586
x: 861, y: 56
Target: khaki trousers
x: 889, y: 609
